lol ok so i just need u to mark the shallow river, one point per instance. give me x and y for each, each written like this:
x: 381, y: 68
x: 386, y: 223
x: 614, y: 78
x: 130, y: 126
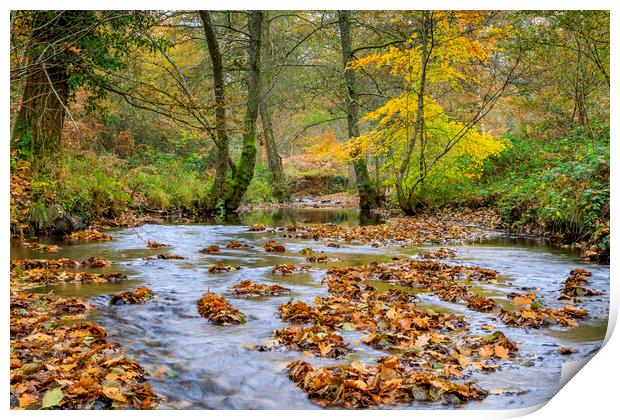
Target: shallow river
x: 198, y: 365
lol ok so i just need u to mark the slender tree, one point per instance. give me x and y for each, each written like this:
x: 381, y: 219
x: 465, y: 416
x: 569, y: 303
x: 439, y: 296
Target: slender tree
x: 368, y: 195
x: 238, y: 184
x: 219, y: 184
x: 266, y: 112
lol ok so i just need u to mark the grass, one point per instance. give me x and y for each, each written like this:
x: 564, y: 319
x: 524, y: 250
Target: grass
x: 105, y: 185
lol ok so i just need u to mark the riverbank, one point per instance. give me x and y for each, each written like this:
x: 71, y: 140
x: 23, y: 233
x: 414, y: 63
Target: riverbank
x: 45, y: 201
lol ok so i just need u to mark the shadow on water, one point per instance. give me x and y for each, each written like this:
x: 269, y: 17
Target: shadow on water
x: 198, y: 365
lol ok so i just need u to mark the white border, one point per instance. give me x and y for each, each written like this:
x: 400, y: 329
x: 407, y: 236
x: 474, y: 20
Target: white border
x: 592, y: 394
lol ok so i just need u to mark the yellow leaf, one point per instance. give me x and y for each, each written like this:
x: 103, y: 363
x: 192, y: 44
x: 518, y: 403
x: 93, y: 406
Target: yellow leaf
x: 114, y: 394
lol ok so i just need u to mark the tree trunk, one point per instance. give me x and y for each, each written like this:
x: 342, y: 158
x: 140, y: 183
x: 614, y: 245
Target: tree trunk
x: 42, y: 113
x: 219, y: 183
x: 237, y: 186
x: 368, y: 195
x: 265, y: 106
x: 406, y: 198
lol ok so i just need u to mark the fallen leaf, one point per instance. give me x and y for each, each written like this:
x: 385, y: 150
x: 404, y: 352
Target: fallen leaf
x: 52, y: 398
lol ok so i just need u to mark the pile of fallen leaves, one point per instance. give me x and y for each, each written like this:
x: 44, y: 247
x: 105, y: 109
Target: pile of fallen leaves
x: 41, y: 276
x: 236, y: 245
x: 166, y: 257
x: 249, y: 288
x: 574, y: 285
x: 439, y: 254
x: 218, y: 311
x: 257, y: 227
x: 428, y: 276
x: 389, y: 382
x: 212, y: 249
x: 155, y: 245
x: 222, y: 268
x: 313, y: 341
x: 93, y: 262
x: 288, y: 268
x: 535, y: 316
x: 443, y: 227
x: 140, y: 295
x: 89, y: 235
x: 59, y: 365
x: 320, y: 258
x: 36, y: 246
x: 481, y: 303
x: 273, y: 246
x: 132, y: 218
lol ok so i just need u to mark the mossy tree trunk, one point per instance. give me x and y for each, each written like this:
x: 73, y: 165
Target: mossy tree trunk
x: 219, y: 183
x: 238, y: 184
x: 368, y: 195
x: 266, y: 111
x: 40, y: 119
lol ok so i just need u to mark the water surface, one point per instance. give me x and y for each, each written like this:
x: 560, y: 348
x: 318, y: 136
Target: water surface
x: 198, y: 365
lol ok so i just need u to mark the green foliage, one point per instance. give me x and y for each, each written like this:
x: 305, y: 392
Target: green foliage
x: 104, y: 185
x: 260, y: 189
x: 170, y: 185
x: 559, y: 187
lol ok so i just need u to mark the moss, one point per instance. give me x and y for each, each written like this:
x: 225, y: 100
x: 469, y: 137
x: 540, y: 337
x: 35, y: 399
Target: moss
x: 238, y: 185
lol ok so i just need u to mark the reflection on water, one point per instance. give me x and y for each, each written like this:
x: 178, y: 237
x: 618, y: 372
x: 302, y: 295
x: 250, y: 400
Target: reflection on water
x: 214, y: 367
x: 288, y: 216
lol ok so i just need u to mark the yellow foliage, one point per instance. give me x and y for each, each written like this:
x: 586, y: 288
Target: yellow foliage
x: 449, y: 148
x: 326, y: 147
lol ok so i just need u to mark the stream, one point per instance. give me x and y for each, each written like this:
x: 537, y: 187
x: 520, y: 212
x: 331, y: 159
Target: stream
x: 196, y: 365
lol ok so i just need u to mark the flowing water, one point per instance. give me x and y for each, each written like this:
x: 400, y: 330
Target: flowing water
x: 198, y: 365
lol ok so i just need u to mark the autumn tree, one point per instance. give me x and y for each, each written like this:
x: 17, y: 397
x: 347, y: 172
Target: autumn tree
x: 63, y: 50
x: 367, y: 192
x: 218, y: 188
x: 274, y: 160
x: 238, y: 184
x: 427, y: 128
x: 567, y: 82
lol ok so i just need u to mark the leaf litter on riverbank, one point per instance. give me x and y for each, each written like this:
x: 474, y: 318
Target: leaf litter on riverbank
x: 92, y: 262
x: 58, y: 364
x: 91, y: 234
x: 444, y: 227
